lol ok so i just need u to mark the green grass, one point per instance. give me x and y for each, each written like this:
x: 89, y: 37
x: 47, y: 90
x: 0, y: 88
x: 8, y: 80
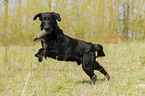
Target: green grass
x: 22, y: 75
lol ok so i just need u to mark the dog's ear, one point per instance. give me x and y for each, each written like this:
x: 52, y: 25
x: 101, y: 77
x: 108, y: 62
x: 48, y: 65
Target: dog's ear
x: 37, y: 15
x: 56, y: 16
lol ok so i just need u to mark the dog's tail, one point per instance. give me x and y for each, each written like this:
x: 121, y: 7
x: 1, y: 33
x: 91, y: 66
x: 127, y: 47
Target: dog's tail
x: 99, y: 49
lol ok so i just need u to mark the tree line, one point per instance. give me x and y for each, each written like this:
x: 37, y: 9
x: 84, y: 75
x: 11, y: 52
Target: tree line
x: 91, y: 20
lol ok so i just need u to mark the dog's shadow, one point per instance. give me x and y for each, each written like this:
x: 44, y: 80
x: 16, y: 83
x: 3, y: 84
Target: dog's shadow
x: 88, y: 82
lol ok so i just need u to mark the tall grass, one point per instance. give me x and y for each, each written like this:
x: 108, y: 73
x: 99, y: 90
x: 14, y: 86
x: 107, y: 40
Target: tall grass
x: 22, y: 75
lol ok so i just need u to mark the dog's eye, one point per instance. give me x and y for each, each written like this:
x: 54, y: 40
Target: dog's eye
x: 46, y: 18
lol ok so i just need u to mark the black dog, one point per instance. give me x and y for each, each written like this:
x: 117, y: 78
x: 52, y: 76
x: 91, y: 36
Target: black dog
x: 59, y: 46
x: 49, y: 51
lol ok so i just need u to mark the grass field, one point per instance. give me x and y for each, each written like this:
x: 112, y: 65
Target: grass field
x: 22, y: 75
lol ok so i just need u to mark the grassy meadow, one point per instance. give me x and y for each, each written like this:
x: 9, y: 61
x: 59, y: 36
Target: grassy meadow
x: 22, y: 75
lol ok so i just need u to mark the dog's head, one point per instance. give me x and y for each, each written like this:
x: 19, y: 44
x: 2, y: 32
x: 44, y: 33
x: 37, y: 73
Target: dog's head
x: 48, y: 20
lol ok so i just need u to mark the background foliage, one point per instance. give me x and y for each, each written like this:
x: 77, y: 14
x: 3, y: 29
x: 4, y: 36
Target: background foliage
x: 91, y: 20
x: 102, y: 21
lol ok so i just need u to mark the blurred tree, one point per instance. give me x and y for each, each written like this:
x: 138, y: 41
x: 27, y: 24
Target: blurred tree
x: 49, y: 5
x: 5, y: 32
x: 126, y: 19
x: 5, y: 22
x: 91, y: 20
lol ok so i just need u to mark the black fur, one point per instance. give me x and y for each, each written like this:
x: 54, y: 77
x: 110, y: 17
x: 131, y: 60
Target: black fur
x: 59, y: 46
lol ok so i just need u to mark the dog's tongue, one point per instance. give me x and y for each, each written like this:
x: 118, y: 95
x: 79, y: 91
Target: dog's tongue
x: 40, y: 35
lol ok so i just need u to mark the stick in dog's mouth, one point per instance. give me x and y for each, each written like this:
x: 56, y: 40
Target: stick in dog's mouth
x: 41, y: 34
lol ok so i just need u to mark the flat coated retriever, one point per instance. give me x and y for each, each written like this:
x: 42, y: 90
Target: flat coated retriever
x: 59, y: 46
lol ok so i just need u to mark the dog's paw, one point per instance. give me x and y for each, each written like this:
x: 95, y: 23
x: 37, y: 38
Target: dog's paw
x: 93, y: 79
x: 108, y: 77
x: 36, y: 55
x: 40, y: 58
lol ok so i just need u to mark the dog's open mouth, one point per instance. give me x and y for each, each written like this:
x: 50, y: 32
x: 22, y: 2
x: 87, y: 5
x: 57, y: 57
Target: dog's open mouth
x: 48, y: 30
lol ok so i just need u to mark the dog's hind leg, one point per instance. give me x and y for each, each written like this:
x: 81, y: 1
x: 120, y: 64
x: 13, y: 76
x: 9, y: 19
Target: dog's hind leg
x: 90, y: 72
x: 88, y: 67
x: 98, y: 67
